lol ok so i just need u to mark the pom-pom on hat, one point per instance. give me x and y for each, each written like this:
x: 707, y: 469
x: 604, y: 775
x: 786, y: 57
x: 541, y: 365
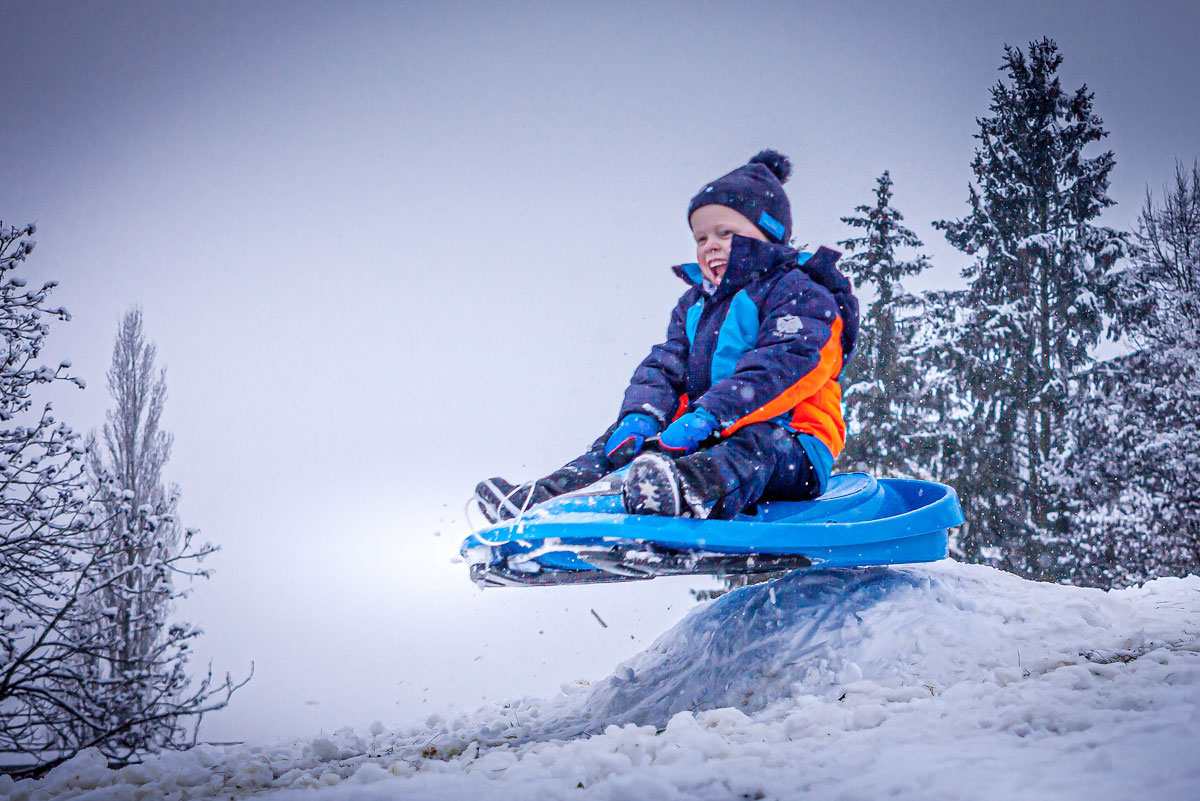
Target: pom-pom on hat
x: 756, y: 191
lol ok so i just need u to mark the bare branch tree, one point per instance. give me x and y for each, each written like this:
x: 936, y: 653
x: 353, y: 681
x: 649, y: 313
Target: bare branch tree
x: 1129, y: 472
x: 86, y: 655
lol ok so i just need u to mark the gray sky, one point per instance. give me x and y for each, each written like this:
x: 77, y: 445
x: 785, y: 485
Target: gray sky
x: 389, y: 249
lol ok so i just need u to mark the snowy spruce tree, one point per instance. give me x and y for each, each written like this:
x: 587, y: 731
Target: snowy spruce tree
x: 1033, y: 308
x: 890, y: 409
x: 1128, y: 476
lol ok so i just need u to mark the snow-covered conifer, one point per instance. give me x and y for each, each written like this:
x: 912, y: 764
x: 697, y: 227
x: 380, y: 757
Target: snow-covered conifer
x: 1033, y: 309
x: 888, y: 414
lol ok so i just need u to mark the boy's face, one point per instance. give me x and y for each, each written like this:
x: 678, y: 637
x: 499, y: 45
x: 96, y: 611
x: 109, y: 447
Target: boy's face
x: 713, y: 227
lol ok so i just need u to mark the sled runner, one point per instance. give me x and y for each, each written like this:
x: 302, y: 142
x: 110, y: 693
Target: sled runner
x: 586, y: 536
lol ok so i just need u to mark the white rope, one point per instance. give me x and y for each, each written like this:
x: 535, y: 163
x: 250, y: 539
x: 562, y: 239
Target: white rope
x: 509, y: 505
x: 475, y: 501
x: 528, y: 498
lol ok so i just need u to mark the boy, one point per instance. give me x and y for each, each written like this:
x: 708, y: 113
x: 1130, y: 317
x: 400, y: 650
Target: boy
x: 741, y: 402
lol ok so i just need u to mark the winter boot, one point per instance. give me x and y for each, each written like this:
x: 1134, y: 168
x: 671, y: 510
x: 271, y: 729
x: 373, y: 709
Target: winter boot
x: 656, y: 485
x: 501, y: 500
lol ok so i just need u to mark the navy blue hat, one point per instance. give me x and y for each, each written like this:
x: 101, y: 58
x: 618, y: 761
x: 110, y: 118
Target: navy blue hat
x: 756, y: 191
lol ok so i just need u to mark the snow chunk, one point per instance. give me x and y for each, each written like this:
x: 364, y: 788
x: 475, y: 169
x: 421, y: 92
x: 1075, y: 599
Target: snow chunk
x: 325, y: 749
x: 370, y: 773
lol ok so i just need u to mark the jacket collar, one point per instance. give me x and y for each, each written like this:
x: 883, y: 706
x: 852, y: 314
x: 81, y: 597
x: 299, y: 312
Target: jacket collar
x: 748, y: 258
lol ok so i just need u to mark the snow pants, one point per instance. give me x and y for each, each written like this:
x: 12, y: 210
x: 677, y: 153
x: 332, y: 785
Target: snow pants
x: 759, y: 462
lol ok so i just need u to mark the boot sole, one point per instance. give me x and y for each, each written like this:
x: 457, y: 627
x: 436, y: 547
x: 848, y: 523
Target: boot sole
x: 652, y: 487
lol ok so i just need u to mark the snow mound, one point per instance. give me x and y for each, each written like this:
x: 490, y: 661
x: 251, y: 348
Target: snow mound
x: 904, y: 632
x: 936, y: 681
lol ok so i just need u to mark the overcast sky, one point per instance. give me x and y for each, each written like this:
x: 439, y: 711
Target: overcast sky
x: 388, y: 249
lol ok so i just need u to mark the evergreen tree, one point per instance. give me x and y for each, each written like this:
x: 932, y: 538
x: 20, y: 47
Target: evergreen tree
x: 1128, y: 475
x: 1033, y: 309
x: 887, y: 415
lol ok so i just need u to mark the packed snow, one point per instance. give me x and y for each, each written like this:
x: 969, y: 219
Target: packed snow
x: 941, y: 681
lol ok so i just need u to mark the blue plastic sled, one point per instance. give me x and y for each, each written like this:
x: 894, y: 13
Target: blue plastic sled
x: 586, y: 536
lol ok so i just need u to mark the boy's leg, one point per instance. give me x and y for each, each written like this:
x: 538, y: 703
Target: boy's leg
x: 498, y: 498
x: 583, y: 470
x: 762, y: 461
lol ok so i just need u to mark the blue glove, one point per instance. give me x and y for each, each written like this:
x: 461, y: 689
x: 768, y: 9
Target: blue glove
x: 628, y: 437
x: 685, y: 434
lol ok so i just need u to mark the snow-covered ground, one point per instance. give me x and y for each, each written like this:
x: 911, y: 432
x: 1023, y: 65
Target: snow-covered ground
x: 941, y: 681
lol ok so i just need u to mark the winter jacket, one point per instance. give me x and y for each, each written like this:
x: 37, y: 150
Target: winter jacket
x: 768, y: 343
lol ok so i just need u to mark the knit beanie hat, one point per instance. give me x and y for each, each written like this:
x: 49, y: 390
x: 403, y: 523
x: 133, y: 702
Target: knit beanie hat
x: 756, y: 191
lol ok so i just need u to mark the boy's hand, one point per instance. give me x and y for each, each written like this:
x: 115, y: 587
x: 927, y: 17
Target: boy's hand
x: 685, y: 434
x: 628, y: 438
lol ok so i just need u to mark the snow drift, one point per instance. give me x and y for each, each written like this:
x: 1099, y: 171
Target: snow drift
x: 828, y: 683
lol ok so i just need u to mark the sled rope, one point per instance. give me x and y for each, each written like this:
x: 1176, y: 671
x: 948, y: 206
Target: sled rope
x: 509, y: 505
x: 528, y: 498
